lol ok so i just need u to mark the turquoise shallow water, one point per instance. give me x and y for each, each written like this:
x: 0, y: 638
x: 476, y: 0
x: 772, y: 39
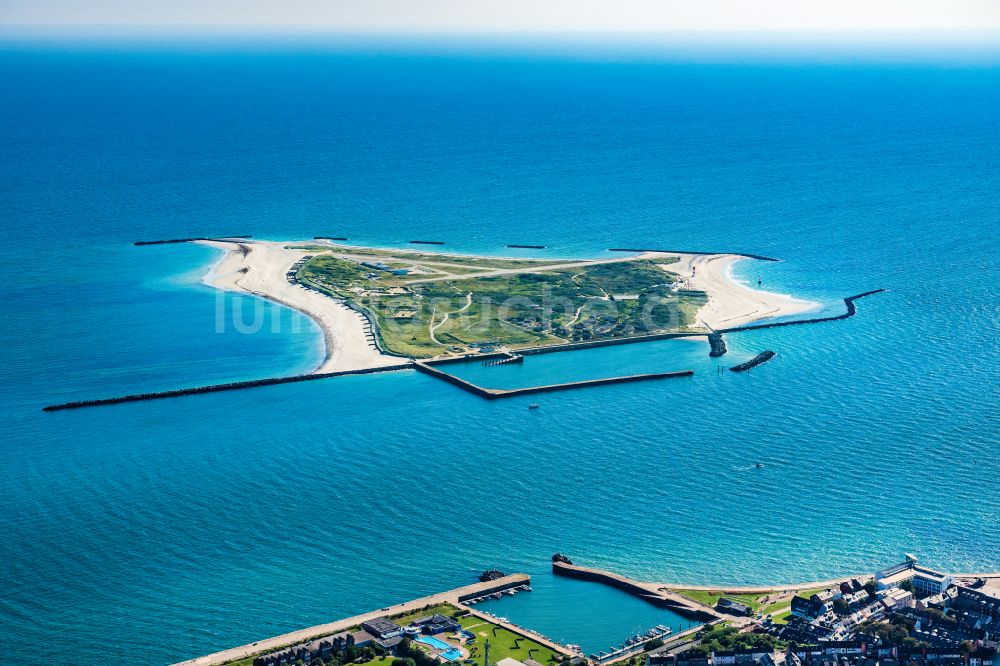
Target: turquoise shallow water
x: 158, y: 531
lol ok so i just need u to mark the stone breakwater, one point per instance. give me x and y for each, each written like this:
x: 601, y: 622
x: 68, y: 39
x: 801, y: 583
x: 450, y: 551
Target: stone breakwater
x: 215, y: 388
x: 187, y: 240
x: 762, y: 357
x: 849, y: 302
x: 718, y: 344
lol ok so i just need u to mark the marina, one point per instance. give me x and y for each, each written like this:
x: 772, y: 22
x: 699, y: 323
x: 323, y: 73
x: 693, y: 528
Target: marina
x: 633, y: 645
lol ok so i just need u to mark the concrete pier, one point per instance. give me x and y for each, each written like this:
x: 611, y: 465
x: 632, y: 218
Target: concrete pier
x: 428, y: 368
x: 645, y: 591
x: 215, y: 388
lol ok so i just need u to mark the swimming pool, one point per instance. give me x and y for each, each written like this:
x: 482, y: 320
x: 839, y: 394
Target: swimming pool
x: 449, y: 653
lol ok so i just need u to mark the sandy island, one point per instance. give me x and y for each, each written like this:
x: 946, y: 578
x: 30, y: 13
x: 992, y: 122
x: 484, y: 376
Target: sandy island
x: 731, y: 303
x: 261, y: 267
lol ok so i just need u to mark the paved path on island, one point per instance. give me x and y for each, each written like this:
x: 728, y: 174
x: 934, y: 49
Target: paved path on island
x: 497, y: 272
x: 434, y: 327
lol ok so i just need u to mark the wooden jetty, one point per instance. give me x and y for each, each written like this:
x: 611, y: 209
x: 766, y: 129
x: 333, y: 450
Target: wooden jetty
x: 506, y: 359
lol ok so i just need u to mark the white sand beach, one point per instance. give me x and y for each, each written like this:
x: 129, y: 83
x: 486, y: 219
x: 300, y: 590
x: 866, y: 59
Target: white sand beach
x: 731, y: 303
x: 260, y: 268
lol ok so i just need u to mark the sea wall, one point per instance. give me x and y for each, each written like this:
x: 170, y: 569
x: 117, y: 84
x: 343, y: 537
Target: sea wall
x: 593, y: 344
x: 632, y: 587
x: 504, y: 583
x: 215, y: 388
x: 848, y: 302
x: 467, y: 358
x: 493, y: 394
x: 455, y: 381
x: 509, y: 393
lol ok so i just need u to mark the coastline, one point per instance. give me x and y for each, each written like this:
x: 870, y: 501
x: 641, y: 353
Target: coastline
x: 260, y: 268
x: 732, y: 303
x: 261, y: 271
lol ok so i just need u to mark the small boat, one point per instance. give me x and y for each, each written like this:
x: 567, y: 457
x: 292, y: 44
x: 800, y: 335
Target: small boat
x: 759, y: 465
x: 534, y: 405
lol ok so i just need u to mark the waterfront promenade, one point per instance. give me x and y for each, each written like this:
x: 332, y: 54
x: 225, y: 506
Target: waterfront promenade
x: 454, y: 596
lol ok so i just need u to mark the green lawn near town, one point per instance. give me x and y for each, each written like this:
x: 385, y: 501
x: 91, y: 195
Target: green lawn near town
x: 503, y: 643
x: 710, y: 597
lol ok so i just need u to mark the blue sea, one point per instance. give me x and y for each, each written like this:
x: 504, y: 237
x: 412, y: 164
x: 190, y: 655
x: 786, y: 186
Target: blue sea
x: 157, y: 531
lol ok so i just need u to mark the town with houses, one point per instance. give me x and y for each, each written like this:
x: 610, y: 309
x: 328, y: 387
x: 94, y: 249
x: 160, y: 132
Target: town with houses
x: 907, y: 615
x: 904, y: 615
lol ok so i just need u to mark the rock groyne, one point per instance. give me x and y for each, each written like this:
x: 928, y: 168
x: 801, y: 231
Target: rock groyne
x: 762, y: 357
x: 189, y: 240
x: 718, y: 344
x: 852, y: 310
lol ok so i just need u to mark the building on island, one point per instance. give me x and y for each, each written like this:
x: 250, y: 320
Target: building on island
x: 436, y: 624
x: 362, y: 638
x: 382, y: 627
x: 724, y: 605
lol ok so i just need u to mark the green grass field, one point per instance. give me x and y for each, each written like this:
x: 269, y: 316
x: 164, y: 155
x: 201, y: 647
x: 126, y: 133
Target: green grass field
x: 504, y: 643
x: 782, y: 618
x: 710, y: 597
x: 528, y: 308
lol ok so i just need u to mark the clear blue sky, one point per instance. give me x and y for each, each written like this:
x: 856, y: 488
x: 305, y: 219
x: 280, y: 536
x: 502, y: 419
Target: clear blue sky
x: 520, y: 15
